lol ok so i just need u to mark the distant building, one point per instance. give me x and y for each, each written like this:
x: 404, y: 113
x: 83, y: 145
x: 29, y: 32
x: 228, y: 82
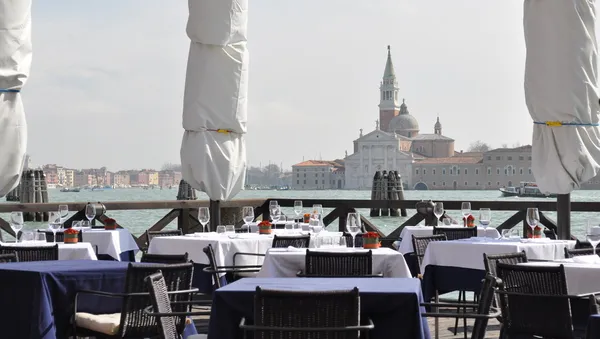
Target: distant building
x: 121, y: 179
x: 318, y: 175
x: 168, y: 178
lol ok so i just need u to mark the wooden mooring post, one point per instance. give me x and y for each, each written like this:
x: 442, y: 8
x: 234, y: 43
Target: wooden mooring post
x: 387, y: 186
x: 33, y: 189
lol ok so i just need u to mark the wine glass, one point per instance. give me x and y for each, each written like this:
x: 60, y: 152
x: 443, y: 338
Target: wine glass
x: 353, y: 225
x: 54, y: 222
x: 318, y: 209
x: 485, y: 217
x: 204, y: 217
x: 465, y: 209
x: 275, y: 213
x: 272, y: 204
x: 64, y: 212
x: 533, y: 219
x: 16, y: 223
x: 438, y: 211
x: 90, y: 212
x: 248, y: 216
x: 592, y: 233
x: 298, y: 208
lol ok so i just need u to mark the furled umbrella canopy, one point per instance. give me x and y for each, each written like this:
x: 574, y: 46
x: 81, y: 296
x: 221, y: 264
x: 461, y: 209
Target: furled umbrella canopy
x: 561, y: 92
x: 213, y: 150
x: 15, y: 63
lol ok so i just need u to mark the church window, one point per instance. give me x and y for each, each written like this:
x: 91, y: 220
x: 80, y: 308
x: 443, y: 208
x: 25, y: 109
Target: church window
x: 521, y: 157
x: 466, y: 183
x: 443, y: 183
x: 433, y: 171
x: 498, y: 171
x: 476, y: 183
x: 417, y: 171
x: 434, y: 183
x: 498, y: 183
x: 424, y: 171
x: 451, y: 171
x: 514, y: 171
x: 530, y: 171
x: 477, y: 171
x: 316, y: 182
x: 489, y: 183
x: 520, y: 171
x: 466, y: 171
x: 458, y: 171
x: 498, y: 158
x: 443, y: 171
x: 509, y: 158
x: 489, y: 157
x: 505, y: 171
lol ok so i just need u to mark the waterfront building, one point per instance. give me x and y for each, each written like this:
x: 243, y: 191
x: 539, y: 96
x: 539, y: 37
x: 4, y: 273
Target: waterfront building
x: 121, y: 179
x: 318, y: 175
x: 168, y: 178
x: 69, y: 178
x: 396, y: 143
x: 501, y: 167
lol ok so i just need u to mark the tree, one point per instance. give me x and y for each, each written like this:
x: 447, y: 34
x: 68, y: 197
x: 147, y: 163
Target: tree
x: 171, y: 167
x: 479, y: 146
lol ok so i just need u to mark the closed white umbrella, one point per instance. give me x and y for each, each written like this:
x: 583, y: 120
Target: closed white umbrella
x: 562, y: 95
x: 15, y: 63
x: 213, y: 150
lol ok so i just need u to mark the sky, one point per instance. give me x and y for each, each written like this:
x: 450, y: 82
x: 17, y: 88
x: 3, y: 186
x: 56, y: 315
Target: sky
x: 107, y: 80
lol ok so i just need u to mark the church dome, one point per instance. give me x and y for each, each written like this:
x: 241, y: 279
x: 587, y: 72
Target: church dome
x: 404, y: 123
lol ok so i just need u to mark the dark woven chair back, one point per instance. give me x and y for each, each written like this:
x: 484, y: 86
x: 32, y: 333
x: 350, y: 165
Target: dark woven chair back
x: 420, y: 244
x: 212, y: 263
x: 570, y: 253
x: 486, y: 298
x: 161, y: 303
x: 338, y: 264
x: 358, y: 240
x: 490, y: 261
x: 165, y: 258
x: 9, y: 257
x: 584, y: 244
x: 301, y: 241
x: 134, y: 322
x: 548, y: 280
x: 298, y: 310
x: 32, y: 253
x: 154, y: 234
x: 456, y: 233
x: 60, y: 236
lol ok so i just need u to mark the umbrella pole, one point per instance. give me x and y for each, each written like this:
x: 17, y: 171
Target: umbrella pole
x: 215, y: 214
x: 563, y: 210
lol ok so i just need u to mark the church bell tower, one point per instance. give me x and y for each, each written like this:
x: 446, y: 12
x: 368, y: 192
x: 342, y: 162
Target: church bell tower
x: 389, y: 106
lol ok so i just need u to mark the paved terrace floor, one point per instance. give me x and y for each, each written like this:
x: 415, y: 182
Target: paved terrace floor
x: 446, y: 328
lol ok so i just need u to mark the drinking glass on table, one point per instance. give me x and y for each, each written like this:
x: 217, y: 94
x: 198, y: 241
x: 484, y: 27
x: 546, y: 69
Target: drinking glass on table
x: 485, y: 217
x: 230, y: 229
x: 90, y: 212
x: 515, y: 234
x: 506, y: 234
x: 275, y: 213
x: 272, y: 204
x: 26, y: 237
x: 248, y: 216
x: 221, y: 229
x: 298, y: 208
x: 465, y: 209
x: 54, y: 222
x: 533, y: 219
x: 353, y: 225
x: 40, y: 237
x: 592, y: 233
x: 16, y: 223
x: 447, y: 222
x: 438, y: 211
x: 203, y: 217
x: 64, y: 212
x: 289, y: 228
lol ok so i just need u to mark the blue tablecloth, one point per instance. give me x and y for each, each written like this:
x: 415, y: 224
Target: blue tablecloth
x: 36, y: 298
x: 392, y: 304
x: 124, y: 256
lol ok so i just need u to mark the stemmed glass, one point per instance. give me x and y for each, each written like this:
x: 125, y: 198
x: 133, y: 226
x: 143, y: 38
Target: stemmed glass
x: 204, y: 217
x: 353, y: 225
x: 298, y: 208
x: 16, y: 223
x: 318, y: 209
x: 90, y: 212
x: 592, y: 233
x: 533, y: 219
x: 64, y: 212
x: 485, y: 217
x: 54, y: 221
x: 465, y: 209
x: 248, y: 216
x: 275, y: 213
x: 438, y: 211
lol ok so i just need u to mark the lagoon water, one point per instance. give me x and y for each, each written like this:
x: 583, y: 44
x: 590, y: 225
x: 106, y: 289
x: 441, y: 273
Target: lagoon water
x: 138, y: 221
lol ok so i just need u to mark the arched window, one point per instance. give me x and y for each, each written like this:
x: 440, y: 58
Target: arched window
x: 443, y: 171
x: 433, y: 171
x: 477, y: 171
x: 520, y: 171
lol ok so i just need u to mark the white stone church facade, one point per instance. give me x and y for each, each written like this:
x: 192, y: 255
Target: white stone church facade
x: 396, y: 143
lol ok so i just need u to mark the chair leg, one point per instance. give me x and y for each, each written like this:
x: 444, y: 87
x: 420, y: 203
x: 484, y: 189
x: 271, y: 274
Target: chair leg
x: 465, y: 319
x: 437, y: 320
x: 460, y: 299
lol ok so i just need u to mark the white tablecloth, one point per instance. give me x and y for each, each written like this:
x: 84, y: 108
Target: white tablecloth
x: 468, y: 253
x: 111, y: 242
x: 78, y: 251
x: 405, y: 245
x: 581, y: 278
x: 287, y: 262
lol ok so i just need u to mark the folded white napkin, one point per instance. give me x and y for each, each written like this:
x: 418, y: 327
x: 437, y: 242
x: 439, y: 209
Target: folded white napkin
x: 587, y: 259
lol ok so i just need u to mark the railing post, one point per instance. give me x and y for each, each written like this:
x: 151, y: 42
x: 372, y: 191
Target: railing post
x: 215, y: 214
x: 183, y: 222
x: 563, y: 211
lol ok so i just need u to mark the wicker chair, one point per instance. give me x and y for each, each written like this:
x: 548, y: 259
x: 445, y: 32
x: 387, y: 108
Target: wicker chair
x: 456, y: 233
x: 301, y: 241
x: 154, y: 234
x: 490, y: 261
x: 60, y: 236
x: 165, y: 258
x: 161, y: 308
x: 570, y: 253
x: 420, y: 245
x: 132, y: 321
x: 293, y: 314
x: 9, y: 257
x: 339, y: 264
x: 539, y: 290
x: 32, y: 253
x: 216, y: 271
x: 485, y: 310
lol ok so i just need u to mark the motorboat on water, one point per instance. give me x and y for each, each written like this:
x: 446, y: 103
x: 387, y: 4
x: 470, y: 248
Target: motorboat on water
x: 525, y: 190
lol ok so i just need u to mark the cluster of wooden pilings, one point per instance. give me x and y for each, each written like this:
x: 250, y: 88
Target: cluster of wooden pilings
x: 186, y: 191
x: 387, y: 186
x: 31, y: 189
